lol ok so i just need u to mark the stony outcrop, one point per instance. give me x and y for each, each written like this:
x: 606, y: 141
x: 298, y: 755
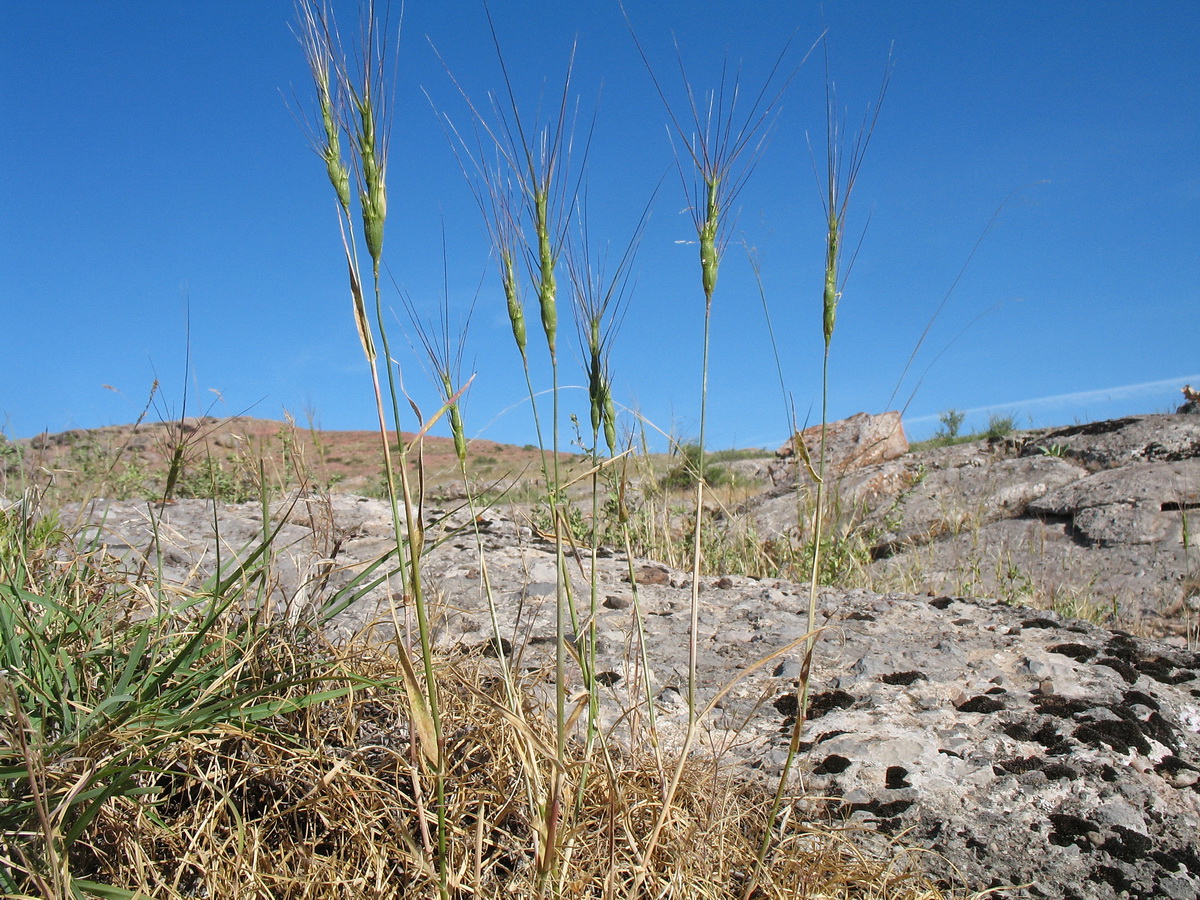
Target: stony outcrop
x: 1097, y: 520
x: 1020, y: 747
x: 852, y: 443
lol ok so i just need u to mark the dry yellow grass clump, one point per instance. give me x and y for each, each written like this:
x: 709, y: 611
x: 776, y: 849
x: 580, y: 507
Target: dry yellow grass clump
x: 332, y: 801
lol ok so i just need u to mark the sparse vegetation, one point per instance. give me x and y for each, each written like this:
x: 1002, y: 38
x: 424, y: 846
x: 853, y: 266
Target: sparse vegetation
x: 693, y: 466
x: 948, y: 435
x: 1000, y: 426
x: 951, y: 420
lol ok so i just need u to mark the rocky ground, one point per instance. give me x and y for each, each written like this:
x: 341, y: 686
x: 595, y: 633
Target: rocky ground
x: 1022, y: 747
x: 1097, y: 521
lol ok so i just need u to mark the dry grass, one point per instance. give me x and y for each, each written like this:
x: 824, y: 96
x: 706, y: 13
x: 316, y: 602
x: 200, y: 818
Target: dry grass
x: 333, y: 802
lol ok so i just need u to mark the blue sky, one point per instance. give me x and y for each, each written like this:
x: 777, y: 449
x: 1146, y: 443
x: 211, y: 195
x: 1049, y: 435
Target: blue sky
x: 152, y: 161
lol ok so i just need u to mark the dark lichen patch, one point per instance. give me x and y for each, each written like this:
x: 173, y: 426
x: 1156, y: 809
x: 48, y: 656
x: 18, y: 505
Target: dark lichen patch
x: 1058, y: 771
x: 1062, y: 707
x: 1166, y: 668
x: 1126, y: 671
x: 787, y: 705
x: 1091, y: 429
x: 1126, y: 844
x: 1160, y: 730
x: 827, y: 701
x: 1023, y: 764
x: 1077, y: 652
x: 1066, y: 829
x: 805, y: 746
x: 881, y: 809
x: 1018, y: 765
x: 896, y: 778
x: 1138, y: 698
x: 1113, y: 877
x: 833, y: 764
x: 1172, y: 766
x: 1177, y: 857
x: 1046, y: 735
x: 981, y: 704
x: 1167, y: 671
x: 1122, y: 736
x: 829, y: 735
x: 903, y: 678
x: 1121, y: 642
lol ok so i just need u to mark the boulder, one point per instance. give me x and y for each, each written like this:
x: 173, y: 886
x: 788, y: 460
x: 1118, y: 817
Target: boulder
x: 952, y: 499
x: 852, y: 443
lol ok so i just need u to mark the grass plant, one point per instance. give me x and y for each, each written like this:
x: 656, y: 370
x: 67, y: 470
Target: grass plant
x: 528, y: 199
x: 356, y: 104
x: 721, y: 140
x: 105, y: 678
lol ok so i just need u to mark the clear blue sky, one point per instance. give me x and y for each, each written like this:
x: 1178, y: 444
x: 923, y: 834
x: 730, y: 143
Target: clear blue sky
x: 151, y: 153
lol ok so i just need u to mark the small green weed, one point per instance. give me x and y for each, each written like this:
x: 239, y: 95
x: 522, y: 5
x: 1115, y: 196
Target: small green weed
x: 686, y: 473
x: 1000, y: 426
x: 951, y: 420
x: 211, y: 480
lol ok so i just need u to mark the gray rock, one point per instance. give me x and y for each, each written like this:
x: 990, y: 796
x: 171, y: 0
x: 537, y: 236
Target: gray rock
x: 861, y: 440
x: 1134, y: 504
x: 1097, y: 520
x: 1118, y: 442
x: 952, y: 499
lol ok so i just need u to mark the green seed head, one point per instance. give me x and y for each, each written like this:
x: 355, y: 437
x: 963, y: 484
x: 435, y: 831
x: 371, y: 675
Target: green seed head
x: 549, y: 307
x: 597, y: 411
x: 548, y: 288
x: 709, y: 259
x: 830, y: 312
x: 374, y: 211
x: 594, y: 342
x: 339, y: 174
x: 708, y: 263
x: 610, y: 421
x: 456, y: 429
x: 511, y: 293
x: 831, y: 274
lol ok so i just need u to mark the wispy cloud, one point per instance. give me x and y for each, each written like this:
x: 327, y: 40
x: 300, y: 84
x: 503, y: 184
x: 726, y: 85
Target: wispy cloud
x: 1076, y: 398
